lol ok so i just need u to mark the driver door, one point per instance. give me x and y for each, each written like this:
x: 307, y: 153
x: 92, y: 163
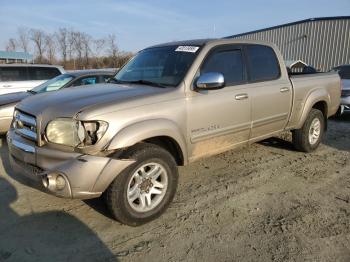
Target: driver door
x: 218, y: 120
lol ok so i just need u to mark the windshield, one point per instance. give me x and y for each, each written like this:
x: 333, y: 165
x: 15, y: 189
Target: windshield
x: 165, y: 66
x: 53, y: 84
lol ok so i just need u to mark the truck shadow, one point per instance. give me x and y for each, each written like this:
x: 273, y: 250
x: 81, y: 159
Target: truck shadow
x: 97, y: 204
x: 277, y: 142
x: 43, y: 236
x: 337, y: 136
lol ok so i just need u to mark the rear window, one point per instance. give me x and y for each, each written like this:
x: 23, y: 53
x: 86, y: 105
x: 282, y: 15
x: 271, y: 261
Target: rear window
x: 90, y: 80
x: 105, y: 78
x: 42, y: 73
x: 262, y: 62
x: 344, y: 72
x: 12, y: 73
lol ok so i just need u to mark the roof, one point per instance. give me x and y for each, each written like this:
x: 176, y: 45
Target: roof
x: 91, y: 72
x: 195, y: 42
x: 29, y: 65
x: 295, y: 63
x: 218, y: 41
x: 342, y: 66
x: 292, y: 23
x: 15, y: 55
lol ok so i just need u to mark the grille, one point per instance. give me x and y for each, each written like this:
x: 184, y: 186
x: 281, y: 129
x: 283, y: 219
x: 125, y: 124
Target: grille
x: 25, y: 125
x: 345, y: 92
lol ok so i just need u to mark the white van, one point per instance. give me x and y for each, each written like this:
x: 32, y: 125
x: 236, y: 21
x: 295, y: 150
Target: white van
x: 22, y: 77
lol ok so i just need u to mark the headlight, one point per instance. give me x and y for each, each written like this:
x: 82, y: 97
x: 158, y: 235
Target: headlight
x: 75, y: 133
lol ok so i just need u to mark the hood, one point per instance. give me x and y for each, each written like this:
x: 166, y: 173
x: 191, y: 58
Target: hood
x: 70, y: 101
x: 13, y: 98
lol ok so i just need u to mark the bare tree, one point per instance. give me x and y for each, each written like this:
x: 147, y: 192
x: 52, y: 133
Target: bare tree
x: 86, y: 43
x: 38, y: 38
x: 11, y: 45
x: 62, y: 37
x: 98, y: 46
x: 50, y: 48
x: 23, y: 38
x: 77, y: 48
x: 74, y: 49
x: 113, y: 48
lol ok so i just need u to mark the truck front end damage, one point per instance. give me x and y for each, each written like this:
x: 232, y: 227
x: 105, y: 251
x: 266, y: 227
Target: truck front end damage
x: 60, y: 173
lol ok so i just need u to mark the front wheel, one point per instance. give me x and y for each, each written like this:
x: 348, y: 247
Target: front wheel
x: 144, y: 190
x: 308, y: 138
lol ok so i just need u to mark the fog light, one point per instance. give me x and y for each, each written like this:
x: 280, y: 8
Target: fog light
x: 60, y: 182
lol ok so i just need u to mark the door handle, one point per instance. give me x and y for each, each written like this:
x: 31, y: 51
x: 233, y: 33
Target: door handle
x: 284, y: 89
x: 241, y: 96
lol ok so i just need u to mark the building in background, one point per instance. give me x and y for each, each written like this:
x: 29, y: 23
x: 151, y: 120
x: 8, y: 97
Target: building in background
x: 15, y: 57
x: 321, y: 42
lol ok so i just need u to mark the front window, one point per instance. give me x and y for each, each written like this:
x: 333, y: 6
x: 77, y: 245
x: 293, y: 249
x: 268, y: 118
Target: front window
x: 54, y: 84
x: 161, y: 65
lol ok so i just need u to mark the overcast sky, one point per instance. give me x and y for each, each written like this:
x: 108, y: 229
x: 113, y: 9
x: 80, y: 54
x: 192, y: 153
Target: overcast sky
x: 138, y: 24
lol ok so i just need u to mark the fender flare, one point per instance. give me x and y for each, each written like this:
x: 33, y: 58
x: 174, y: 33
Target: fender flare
x: 140, y: 131
x: 318, y: 95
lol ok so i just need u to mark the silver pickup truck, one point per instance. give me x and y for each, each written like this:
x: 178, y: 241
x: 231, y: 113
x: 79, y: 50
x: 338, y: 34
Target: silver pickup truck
x: 170, y: 105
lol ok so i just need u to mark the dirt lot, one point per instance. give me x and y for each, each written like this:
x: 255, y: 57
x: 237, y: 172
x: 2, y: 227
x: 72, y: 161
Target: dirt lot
x: 265, y: 202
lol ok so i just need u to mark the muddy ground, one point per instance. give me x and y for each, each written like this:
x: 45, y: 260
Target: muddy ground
x: 265, y: 202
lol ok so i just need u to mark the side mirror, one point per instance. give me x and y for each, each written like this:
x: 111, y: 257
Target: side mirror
x: 210, y: 80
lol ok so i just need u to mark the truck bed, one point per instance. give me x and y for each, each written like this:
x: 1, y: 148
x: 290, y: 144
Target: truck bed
x: 324, y: 85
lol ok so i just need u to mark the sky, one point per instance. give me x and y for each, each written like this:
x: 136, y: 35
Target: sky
x: 138, y: 24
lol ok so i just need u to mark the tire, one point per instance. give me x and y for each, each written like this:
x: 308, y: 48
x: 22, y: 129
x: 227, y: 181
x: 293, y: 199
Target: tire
x: 301, y: 137
x: 136, y: 212
x: 339, y: 111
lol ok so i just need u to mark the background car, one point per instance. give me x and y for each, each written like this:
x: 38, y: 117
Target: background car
x: 76, y: 78
x: 344, y: 73
x: 21, y: 77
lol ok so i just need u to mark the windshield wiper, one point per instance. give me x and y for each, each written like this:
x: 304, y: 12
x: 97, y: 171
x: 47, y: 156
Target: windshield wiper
x: 142, y: 82
x: 31, y: 91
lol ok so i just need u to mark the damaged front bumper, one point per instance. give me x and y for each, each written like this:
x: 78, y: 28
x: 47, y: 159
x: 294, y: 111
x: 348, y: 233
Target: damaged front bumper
x: 63, y: 174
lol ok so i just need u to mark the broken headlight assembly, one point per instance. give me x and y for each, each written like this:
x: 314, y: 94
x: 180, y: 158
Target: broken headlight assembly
x: 75, y: 133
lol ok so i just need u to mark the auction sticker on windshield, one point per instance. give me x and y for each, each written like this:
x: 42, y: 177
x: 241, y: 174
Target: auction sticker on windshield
x: 187, y: 48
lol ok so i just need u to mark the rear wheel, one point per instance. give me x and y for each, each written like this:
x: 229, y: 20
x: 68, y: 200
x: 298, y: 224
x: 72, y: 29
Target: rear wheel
x: 144, y: 190
x: 308, y: 138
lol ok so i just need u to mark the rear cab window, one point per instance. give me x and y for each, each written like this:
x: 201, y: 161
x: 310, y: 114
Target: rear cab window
x: 13, y: 73
x: 344, y: 72
x: 42, y: 73
x: 262, y: 63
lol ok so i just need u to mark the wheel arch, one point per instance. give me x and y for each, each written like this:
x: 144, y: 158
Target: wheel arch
x: 319, y: 99
x: 161, y: 132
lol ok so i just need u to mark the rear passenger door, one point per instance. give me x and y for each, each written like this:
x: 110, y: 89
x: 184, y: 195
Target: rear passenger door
x: 13, y: 79
x: 271, y: 94
x: 220, y: 119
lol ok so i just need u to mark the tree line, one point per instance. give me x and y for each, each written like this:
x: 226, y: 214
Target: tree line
x: 68, y: 47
